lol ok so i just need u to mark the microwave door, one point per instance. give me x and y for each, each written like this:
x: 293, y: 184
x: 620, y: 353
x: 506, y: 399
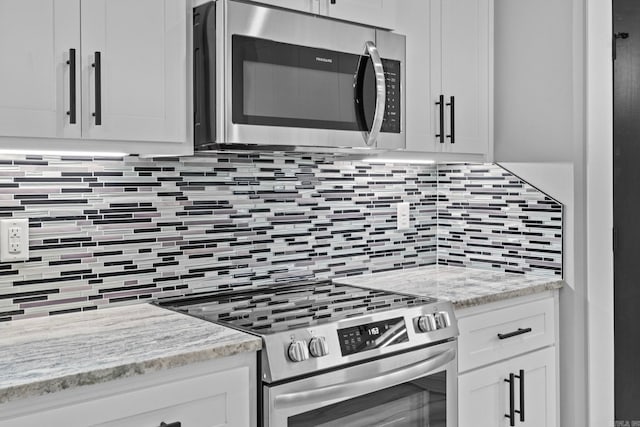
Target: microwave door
x: 290, y: 78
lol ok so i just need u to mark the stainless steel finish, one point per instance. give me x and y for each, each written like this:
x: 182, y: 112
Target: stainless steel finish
x: 393, y: 46
x: 357, y: 387
x: 277, y: 366
x: 427, y: 323
x: 318, y: 347
x: 371, y: 137
x: 298, y: 351
x: 291, y: 27
x: 300, y: 396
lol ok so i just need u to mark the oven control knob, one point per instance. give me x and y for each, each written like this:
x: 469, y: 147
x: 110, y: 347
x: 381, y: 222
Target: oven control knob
x: 442, y: 320
x: 427, y: 323
x: 318, y: 347
x: 298, y: 351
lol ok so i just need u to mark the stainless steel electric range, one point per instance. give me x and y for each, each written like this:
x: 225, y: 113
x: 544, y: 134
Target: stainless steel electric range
x: 340, y: 355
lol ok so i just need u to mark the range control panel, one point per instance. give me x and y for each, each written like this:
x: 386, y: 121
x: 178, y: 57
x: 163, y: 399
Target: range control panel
x: 369, y: 336
x: 391, y: 121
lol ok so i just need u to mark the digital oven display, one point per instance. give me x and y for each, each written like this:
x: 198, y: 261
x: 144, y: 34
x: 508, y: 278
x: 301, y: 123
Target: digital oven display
x: 369, y: 336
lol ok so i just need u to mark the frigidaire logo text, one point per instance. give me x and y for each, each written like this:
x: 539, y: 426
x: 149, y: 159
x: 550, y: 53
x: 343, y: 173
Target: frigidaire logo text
x: 329, y: 60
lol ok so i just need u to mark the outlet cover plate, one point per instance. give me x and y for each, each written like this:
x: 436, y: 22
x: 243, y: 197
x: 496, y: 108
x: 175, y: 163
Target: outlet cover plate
x: 403, y: 217
x: 8, y: 239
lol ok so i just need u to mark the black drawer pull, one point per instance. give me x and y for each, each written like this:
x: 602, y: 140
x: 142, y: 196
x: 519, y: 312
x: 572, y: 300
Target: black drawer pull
x: 520, y: 331
x: 176, y: 424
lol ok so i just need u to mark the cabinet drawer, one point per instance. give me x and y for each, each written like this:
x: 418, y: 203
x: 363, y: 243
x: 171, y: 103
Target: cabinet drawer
x: 217, y: 399
x: 506, y: 332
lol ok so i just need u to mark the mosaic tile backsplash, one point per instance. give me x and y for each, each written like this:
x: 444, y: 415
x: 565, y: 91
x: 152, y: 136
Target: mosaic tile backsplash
x: 489, y: 218
x: 120, y: 231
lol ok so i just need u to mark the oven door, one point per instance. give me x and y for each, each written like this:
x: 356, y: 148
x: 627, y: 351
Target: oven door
x: 413, y: 389
x: 297, y: 79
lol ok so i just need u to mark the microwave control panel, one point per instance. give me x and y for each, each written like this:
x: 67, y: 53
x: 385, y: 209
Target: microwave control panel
x: 391, y: 121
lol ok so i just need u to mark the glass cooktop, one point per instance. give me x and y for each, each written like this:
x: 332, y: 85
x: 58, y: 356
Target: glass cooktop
x: 278, y: 308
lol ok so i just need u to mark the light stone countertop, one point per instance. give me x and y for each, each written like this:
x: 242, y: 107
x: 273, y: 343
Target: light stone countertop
x: 464, y: 287
x: 49, y: 354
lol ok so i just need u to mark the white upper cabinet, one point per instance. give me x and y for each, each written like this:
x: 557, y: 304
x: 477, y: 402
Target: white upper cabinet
x: 95, y: 75
x: 309, y: 6
x: 378, y: 13
x: 464, y: 65
x: 420, y: 112
x: 137, y: 89
x: 37, y: 39
x: 449, y: 57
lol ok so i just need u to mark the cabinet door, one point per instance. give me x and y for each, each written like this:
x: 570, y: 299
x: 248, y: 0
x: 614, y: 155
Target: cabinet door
x: 483, y: 395
x: 378, y: 13
x: 421, y: 114
x: 309, y: 6
x: 36, y: 38
x: 141, y: 93
x: 465, y: 57
x: 219, y: 399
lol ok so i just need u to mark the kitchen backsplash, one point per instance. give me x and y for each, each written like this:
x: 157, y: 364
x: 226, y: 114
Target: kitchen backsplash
x: 489, y: 218
x: 119, y: 231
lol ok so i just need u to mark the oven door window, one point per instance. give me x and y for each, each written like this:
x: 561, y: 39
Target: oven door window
x: 418, y: 403
x: 281, y: 84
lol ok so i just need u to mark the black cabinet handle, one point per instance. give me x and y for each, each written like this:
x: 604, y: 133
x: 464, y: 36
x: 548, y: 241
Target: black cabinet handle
x: 333, y: 1
x: 452, y: 104
x: 521, y: 378
x: 98, y: 79
x: 512, y: 410
x: 176, y: 424
x: 520, y: 331
x: 72, y: 86
x: 440, y: 103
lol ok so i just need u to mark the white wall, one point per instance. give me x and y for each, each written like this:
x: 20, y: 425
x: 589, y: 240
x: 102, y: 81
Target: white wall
x: 535, y: 80
x: 600, y: 212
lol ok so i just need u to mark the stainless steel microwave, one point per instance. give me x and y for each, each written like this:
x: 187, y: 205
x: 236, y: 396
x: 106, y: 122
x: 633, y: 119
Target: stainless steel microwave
x: 265, y: 75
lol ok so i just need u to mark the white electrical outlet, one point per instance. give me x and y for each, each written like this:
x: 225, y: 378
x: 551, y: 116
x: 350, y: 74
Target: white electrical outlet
x: 14, y: 240
x: 402, y: 214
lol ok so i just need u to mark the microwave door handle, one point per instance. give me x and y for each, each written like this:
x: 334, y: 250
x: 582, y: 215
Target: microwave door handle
x: 370, y: 137
x: 351, y: 389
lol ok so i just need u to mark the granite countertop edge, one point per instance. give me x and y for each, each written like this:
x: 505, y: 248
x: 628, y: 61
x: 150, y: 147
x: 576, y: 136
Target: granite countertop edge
x: 104, y: 375
x: 223, y: 342
x: 463, y: 287
x: 501, y: 296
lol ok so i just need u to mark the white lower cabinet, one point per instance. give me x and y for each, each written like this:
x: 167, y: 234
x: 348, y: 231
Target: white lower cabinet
x: 509, y: 348
x: 484, y: 399
x: 193, y: 396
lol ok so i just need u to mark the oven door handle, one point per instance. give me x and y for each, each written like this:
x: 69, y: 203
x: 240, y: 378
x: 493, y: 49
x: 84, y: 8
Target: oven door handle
x: 351, y: 389
x: 371, y: 136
